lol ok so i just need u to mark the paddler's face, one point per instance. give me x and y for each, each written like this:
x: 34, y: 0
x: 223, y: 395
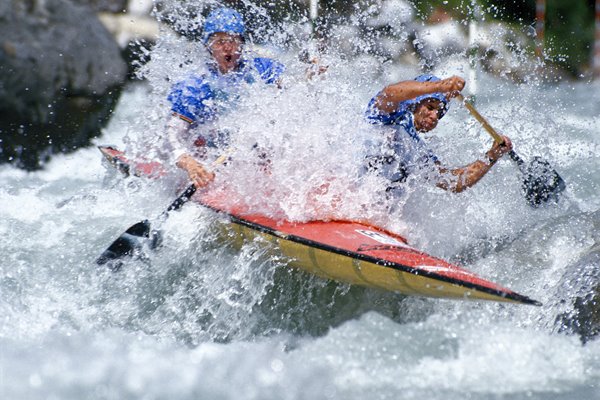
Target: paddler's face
x: 226, y: 49
x: 427, y: 114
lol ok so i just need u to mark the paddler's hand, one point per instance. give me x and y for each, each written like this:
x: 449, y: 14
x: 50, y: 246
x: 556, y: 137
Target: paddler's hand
x: 451, y: 86
x: 199, y: 176
x: 315, y: 68
x: 499, y: 149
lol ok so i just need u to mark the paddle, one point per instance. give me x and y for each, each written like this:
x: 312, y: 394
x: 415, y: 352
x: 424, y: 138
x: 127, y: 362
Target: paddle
x: 132, y: 239
x: 541, y: 183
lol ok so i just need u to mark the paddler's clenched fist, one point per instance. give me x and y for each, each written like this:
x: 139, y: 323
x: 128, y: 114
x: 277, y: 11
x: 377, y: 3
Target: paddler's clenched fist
x: 452, y: 86
x: 499, y: 149
x: 199, y: 176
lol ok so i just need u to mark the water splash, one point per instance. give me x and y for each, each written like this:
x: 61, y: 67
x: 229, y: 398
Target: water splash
x: 201, y: 318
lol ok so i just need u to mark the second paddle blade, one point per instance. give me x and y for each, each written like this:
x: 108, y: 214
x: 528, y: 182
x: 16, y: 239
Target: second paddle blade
x: 125, y: 245
x: 541, y: 182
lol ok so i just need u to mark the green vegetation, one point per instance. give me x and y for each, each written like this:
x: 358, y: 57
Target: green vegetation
x: 570, y: 33
x: 569, y: 26
x: 569, y: 29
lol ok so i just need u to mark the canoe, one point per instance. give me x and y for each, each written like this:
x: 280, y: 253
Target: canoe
x: 345, y: 251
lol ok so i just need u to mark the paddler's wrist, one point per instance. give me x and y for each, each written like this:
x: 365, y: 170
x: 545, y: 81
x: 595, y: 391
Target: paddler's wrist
x: 490, y: 159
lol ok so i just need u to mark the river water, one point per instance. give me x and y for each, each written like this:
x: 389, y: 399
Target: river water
x: 199, y: 320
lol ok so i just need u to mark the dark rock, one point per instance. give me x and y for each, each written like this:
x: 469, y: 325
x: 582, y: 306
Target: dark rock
x: 580, y: 292
x: 577, y: 295
x: 60, y: 73
x: 136, y: 54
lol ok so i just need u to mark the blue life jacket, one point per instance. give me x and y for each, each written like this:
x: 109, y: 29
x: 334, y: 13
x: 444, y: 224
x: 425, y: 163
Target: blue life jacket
x: 200, y: 99
x: 401, y: 151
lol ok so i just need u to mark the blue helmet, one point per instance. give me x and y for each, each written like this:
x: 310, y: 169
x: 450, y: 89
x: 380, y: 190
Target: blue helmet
x: 223, y: 20
x: 437, y: 95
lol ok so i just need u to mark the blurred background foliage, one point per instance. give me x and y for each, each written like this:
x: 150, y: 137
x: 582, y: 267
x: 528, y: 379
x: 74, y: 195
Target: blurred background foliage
x: 569, y: 25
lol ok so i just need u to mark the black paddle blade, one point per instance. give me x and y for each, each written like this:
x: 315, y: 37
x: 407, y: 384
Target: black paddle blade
x: 541, y: 182
x: 125, y: 245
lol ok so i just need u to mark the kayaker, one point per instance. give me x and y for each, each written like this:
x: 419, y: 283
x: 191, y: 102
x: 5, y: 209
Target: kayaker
x: 199, y: 101
x: 411, y: 108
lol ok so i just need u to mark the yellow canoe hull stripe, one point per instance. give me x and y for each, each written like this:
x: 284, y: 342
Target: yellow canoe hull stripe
x: 344, y: 268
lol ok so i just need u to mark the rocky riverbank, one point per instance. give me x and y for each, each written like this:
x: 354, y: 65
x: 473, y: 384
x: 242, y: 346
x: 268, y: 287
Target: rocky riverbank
x: 61, y: 72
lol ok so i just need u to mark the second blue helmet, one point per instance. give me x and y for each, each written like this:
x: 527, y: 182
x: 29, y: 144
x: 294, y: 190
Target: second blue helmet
x: 223, y: 20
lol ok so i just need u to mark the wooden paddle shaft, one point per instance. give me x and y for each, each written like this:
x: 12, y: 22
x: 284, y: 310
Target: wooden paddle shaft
x: 497, y: 137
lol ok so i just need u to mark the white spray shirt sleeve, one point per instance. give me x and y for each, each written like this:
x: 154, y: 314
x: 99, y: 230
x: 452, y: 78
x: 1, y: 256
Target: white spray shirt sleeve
x: 177, y: 130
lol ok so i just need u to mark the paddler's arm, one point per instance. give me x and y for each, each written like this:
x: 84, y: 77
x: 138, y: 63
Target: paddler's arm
x: 388, y: 99
x: 176, y: 129
x: 458, y: 179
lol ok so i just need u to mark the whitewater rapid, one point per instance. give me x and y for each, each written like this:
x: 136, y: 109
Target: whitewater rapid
x: 197, y: 319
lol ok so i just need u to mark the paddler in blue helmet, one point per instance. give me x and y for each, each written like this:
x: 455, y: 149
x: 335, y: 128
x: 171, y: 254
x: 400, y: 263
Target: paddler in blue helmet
x: 201, y: 99
x: 414, y: 107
